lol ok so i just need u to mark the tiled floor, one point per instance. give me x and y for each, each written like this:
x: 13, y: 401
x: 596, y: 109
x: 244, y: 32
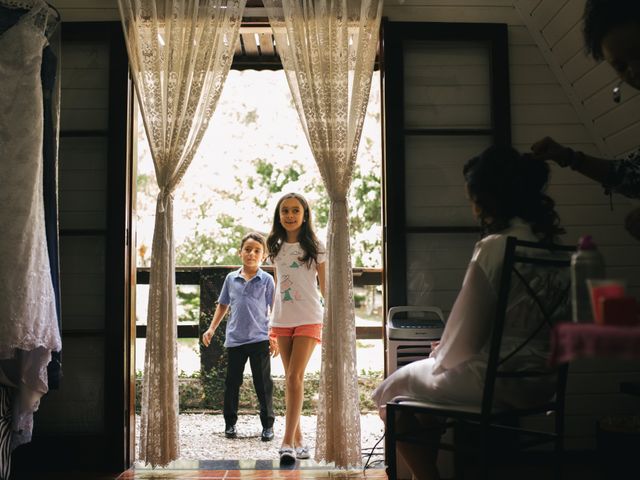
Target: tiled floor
x: 210, y: 474
x: 571, y: 472
x: 247, y: 469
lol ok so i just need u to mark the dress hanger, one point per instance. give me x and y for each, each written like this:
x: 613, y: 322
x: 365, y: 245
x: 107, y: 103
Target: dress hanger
x: 53, y: 20
x: 23, y: 5
x: 55, y: 11
x: 28, y: 5
x: 53, y: 17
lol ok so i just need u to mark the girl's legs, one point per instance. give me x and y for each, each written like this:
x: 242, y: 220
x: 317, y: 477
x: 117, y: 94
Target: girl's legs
x: 295, y: 352
x: 285, y: 345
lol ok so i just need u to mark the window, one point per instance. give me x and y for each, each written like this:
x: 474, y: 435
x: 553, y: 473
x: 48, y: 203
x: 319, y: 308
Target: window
x: 446, y: 98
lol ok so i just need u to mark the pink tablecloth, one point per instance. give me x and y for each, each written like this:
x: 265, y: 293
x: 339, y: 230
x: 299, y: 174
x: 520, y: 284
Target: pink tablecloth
x: 570, y: 341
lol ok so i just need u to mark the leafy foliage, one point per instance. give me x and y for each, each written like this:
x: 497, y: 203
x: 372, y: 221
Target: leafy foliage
x: 205, y: 392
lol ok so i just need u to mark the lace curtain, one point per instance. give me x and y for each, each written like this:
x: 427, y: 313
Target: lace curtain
x: 328, y: 49
x: 180, y: 52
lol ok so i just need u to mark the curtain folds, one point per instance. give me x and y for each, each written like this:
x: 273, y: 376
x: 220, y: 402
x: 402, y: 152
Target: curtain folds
x: 328, y: 49
x: 180, y: 52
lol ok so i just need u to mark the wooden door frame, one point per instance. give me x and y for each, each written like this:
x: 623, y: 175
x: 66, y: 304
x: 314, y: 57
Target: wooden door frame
x: 112, y: 448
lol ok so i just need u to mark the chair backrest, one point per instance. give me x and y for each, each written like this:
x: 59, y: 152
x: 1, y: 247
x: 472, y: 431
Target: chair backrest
x: 539, y: 276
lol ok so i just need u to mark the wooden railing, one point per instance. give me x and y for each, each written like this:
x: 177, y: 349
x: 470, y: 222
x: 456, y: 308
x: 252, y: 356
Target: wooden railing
x: 210, y: 280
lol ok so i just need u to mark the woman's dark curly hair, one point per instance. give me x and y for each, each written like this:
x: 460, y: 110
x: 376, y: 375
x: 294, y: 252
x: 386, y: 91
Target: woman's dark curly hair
x: 307, y: 237
x: 505, y: 184
x: 600, y: 16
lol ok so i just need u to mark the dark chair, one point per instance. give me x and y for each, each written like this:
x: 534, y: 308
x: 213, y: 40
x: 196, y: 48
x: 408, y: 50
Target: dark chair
x: 482, y: 431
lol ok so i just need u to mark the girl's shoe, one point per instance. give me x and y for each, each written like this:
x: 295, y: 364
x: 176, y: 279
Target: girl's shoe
x: 287, y: 455
x: 302, y: 452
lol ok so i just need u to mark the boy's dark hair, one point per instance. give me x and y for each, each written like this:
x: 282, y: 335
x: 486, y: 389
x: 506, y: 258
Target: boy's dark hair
x: 601, y: 16
x: 505, y: 184
x: 258, y: 237
x: 307, y: 237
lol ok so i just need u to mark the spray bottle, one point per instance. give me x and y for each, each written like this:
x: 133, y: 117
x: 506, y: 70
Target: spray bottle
x: 586, y: 263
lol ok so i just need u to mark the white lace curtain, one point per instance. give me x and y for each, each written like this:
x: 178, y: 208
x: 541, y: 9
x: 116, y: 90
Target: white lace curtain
x: 328, y: 49
x: 180, y: 52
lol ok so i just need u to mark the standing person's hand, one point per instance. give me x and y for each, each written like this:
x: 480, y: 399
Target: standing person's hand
x: 207, y: 336
x: 273, y: 347
x: 548, y: 149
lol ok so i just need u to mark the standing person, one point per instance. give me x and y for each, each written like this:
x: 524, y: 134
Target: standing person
x: 299, y: 259
x: 611, y: 33
x: 249, y: 292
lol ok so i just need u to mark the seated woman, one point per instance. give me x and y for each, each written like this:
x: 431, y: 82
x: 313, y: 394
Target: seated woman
x: 507, y: 196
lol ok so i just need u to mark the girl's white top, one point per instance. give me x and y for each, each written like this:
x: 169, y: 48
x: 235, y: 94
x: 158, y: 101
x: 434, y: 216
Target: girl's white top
x: 297, y: 299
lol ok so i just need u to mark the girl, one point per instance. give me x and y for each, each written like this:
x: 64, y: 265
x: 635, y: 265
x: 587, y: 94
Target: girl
x: 507, y: 195
x: 299, y: 259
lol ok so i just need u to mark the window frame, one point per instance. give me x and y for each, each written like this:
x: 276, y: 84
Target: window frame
x: 395, y: 36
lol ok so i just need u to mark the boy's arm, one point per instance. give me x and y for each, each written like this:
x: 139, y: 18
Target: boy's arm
x: 221, y: 311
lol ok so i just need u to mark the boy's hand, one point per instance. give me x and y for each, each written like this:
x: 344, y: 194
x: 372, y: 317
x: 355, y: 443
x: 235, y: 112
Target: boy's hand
x: 273, y: 347
x: 206, y: 336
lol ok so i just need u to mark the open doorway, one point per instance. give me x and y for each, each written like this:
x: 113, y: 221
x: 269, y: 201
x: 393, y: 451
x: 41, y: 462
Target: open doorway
x: 253, y: 152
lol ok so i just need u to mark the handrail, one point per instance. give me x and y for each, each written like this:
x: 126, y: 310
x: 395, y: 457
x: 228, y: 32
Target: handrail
x: 191, y: 275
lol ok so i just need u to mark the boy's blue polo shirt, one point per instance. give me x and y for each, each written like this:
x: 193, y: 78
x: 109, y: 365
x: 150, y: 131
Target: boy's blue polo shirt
x: 249, y: 303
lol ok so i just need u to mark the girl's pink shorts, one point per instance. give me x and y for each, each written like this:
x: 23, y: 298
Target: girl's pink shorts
x: 313, y: 330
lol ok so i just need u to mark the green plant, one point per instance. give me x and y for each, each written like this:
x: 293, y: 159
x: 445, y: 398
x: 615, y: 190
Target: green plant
x: 359, y: 299
x: 205, y: 392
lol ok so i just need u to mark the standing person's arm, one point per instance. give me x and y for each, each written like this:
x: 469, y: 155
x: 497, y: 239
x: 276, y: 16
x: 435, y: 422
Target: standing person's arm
x: 271, y: 298
x: 595, y: 168
x: 321, y: 269
x: 221, y: 311
x: 619, y: 175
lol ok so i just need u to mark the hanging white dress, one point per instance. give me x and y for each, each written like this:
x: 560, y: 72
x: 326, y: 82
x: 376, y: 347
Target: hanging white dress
x: 28, y: 322
x: 455, y: 371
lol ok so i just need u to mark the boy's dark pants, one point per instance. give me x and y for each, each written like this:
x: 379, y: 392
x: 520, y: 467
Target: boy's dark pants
x: 260, y: 362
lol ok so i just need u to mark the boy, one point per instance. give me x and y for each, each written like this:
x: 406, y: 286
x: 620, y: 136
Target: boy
x: 249, y: 292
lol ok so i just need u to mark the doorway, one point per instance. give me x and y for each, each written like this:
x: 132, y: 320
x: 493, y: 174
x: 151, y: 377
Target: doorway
x: 253, y: 152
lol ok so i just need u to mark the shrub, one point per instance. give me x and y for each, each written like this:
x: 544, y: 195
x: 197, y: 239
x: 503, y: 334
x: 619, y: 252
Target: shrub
x: 206, y: 393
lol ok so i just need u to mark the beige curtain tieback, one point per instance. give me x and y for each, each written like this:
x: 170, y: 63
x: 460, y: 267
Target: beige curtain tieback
x: 163, y: 197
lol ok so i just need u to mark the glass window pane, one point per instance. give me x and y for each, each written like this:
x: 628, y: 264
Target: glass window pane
x: 434, y: 185
x: 447, y: 85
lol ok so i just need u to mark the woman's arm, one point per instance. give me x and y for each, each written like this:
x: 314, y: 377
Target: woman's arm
x: 593, y: 167
x: 469, y: 325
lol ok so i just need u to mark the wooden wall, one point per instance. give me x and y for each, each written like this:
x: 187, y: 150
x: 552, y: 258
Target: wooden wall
x: 83, y: 220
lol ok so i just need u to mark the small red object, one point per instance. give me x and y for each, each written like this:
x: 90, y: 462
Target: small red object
x: 620, y: 311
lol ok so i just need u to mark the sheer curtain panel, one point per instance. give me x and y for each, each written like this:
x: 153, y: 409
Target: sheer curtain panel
x: 328, y: 49
x: 180, y: 52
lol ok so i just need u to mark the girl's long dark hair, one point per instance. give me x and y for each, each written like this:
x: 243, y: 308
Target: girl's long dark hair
x: 307, y: 237
x: 505, y: 184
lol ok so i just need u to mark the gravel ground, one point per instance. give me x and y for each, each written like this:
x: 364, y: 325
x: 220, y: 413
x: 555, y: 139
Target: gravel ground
x: 202, y: 436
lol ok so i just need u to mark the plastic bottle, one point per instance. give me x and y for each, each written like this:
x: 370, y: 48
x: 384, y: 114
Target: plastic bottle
x: 586, y: 263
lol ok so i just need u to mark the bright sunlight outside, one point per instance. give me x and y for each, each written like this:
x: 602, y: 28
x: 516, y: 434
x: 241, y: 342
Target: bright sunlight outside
x: 254, y: 151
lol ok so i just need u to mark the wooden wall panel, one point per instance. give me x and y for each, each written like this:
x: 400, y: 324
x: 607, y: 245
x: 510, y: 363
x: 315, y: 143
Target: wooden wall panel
x: 82, y: 183
x: 557, y: 28
x: 79, y: 408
